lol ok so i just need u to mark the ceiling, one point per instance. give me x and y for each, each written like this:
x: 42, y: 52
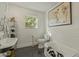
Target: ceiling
x: 39, y: 6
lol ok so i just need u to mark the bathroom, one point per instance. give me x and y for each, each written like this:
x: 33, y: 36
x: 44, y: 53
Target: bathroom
x: 40, y: 38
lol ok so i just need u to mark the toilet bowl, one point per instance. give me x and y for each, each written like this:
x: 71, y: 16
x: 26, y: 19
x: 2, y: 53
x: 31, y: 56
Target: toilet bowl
x: 42, y: 41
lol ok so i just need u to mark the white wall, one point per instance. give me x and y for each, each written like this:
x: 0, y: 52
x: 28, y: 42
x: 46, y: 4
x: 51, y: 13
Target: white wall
x: 3, y: 8
x: 25, y: 35
x: 68, y: 34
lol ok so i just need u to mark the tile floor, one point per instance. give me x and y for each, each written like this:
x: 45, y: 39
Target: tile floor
x: 30, y: 52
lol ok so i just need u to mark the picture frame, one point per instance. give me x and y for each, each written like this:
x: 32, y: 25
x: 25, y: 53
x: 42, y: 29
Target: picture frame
x: 60, y: 15
x: 31, y: 22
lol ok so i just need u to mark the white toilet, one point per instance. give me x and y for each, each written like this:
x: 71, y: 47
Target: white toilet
x: 41, y: 42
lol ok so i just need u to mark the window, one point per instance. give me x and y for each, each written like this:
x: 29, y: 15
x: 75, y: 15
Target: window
x: 31, y: 22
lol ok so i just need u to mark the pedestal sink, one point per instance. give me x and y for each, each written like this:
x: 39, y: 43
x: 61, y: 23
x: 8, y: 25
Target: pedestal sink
x: 8, y: 42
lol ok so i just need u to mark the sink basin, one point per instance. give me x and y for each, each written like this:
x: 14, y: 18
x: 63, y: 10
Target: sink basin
x: 8, y: 42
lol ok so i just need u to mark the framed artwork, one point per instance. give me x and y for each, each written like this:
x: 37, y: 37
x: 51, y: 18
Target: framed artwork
x: 31, y: 22
x: 60, y: 15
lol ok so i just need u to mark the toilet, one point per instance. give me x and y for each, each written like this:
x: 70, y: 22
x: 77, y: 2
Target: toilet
x: 42, y: 41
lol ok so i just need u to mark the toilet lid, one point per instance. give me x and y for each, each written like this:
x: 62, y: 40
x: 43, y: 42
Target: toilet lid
x: 41, y: 40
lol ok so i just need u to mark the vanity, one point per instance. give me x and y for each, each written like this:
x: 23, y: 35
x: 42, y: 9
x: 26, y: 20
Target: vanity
x: 8, y: 39
x: 8, y: 42
x: 7, y: 46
